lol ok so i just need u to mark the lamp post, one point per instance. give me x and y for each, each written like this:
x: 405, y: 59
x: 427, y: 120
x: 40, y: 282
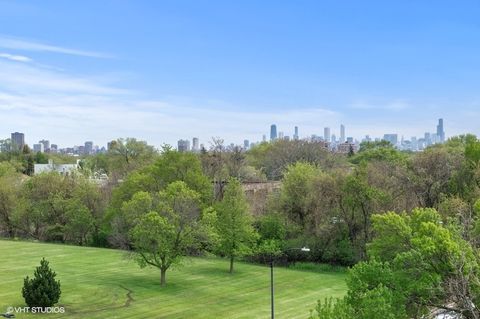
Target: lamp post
x: 304, y: 249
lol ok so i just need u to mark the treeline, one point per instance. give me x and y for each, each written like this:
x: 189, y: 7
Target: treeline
x: 326, y: 200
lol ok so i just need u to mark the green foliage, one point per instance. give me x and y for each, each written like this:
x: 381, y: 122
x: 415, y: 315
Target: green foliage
x: 332, y: 309
x: 395, y: 234
x: 274, y: 157
x: 42, y: 290
x: 79, y: 222
x: 234, y: 223
x: 472, y: 150
x: 58, y: 208
x: 125, y: 155
x: 272, y: 233
x: 171, y: 166
x: 164, y: 235
x: 378, y: 151
x: 424, y: 259
x: 41, y: 158
x: 431, y: 171
x: 415, y: 264
x: 9, y: 193
x: 272, y: 226
x: 372, y: 145
x: 296, y: 185
x: 369, y: 292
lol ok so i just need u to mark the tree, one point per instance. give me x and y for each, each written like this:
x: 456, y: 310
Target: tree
x: 234, y: 223
x: 127, y: 155
x: 296, y: 186
x: 44, y: 198
x: 79, y: 222
x: 432, y: 170
x: 170, y: 167
x: 42, y: 290
x: 272, y: 233
x: 9, y: 193
x: 164, y: 235
x: 351, y: 151
x: 415, y: 264
x: 129, y: 215
x: 273, y: 158
x: 378, y: 151
x: 357, y: 203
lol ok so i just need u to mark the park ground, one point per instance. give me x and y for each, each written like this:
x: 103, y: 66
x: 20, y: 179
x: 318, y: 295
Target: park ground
x: 103, y: 283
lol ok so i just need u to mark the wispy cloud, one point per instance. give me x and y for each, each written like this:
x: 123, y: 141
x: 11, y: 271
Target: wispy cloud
x: 28, y: 45
x: 17, y: 58
x: 69, y: 108
x: 31, y: 79
x: 390, y: 105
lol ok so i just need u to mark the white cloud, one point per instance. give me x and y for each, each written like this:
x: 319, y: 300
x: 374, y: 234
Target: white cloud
x: 17, y: 58
x: 27, y: 45
x: 69, y: 109
x: 389, y: 105
x: 33, y: 78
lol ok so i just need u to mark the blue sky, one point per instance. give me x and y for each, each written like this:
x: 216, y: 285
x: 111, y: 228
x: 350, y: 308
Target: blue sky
x: 72, y: 71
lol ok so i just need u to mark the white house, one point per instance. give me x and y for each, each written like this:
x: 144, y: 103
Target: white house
x: 63, y: 169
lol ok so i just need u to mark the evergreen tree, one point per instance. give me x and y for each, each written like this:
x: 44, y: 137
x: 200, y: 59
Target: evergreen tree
x: 42, y: 290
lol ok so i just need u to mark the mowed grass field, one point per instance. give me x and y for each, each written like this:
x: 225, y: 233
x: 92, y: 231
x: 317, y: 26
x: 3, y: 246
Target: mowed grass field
x: 102, y: 283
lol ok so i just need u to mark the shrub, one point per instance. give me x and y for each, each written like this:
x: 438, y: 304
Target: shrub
x: 42, y: 290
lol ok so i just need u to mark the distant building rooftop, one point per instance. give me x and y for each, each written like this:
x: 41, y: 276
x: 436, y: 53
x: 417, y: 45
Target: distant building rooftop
x: 63, y: 169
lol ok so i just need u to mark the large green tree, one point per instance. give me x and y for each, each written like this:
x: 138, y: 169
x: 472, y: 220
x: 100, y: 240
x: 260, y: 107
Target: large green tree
x: 170, y: 167
x: 416, y: 264
x: 164, y: 235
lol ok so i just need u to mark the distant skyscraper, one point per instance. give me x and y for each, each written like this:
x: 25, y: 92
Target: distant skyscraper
x: 264, y: 138
x: 392, y: 138
x: 246, y: 144
x: 440, y: 131
x: 88, y: 148
x: 183, y: 145
x: 18, y: 141
x: 342, y: 133
x: 428, y: 139
x: 295, y: 135
x: 280, y: 135
x: 273, y: 132
x: 46, y: 145
x: 38, y: 148
x: 326, y: 134
x: 195, y: 144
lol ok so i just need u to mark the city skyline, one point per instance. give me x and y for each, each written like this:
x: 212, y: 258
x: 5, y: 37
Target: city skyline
x: 230, y: 70
x: 193, y: 144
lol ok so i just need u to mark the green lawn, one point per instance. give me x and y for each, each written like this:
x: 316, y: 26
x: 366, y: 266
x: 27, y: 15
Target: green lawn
x: 95, y: 283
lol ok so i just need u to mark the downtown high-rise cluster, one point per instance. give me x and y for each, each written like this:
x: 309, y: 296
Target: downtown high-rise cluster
x: 341, y: 143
